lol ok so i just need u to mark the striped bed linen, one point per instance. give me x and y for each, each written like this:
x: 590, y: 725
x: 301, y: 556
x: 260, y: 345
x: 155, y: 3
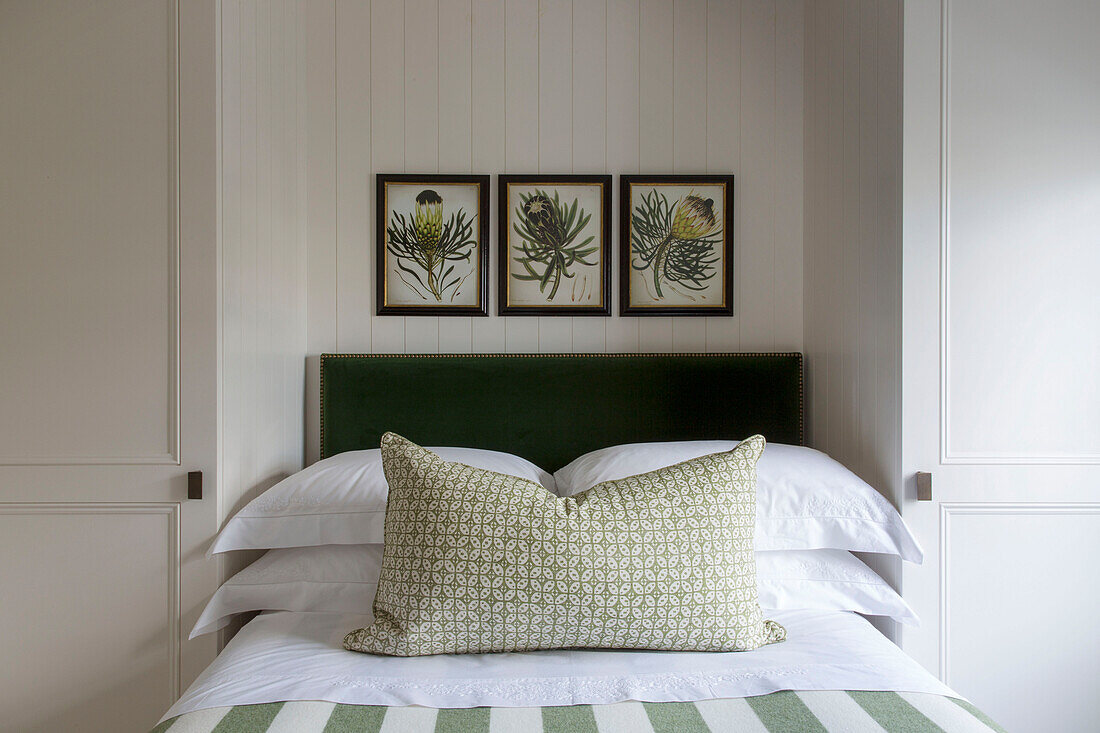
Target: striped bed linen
x: 779, y: 712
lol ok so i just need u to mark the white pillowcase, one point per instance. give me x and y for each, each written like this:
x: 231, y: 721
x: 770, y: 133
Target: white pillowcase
x: 805, y: 499
x: 331, y: 578
x: 344, y: 578
x: 341, y: 500
x: 827, y: 580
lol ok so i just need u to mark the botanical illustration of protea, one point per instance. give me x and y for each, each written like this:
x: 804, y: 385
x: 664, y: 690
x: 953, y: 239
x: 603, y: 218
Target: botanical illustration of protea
x: 675, y: 242
x: 426, y: 250
x: 548, y: 229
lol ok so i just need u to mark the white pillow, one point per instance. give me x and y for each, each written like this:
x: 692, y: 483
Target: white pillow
x: 827, y: 580
x: 341, y: 500
x: 344, y: 578
x: 805, y: 499
x: 331, y: 578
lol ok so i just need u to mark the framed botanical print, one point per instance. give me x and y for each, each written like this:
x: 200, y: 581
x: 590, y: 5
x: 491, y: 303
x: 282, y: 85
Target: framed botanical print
x: 676, y: 245
x: 432, y: 245
x: 555, y: 245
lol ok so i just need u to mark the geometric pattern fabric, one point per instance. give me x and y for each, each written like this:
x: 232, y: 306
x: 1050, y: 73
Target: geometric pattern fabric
x: 476, y: 561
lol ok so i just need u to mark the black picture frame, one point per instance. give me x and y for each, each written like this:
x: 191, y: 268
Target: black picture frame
x: 508, y: 234
x: 639, y: 306
x: 413, y: 276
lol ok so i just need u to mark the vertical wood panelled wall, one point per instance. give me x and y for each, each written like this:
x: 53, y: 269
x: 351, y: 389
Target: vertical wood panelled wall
x: 852, y: 232
x: 318, y: 97
x: 263, y: 253
x: 853, y: 238
x: 543, y: 86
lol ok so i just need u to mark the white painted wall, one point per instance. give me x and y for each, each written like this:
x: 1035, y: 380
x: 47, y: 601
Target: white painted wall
x: 660, y: 86
x: 263, y: 252
x: 852, y: 279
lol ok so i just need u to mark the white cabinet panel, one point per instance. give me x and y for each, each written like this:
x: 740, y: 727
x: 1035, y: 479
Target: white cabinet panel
x: 1021, y: 243
x: 88, y: 620
x: 1001, y: 346
x: 1020, y: 597
x: 88, y: 235
x: 108, y: 355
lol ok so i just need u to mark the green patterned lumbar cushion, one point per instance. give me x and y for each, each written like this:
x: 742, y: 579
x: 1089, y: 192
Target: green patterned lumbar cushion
x: 476, y: 561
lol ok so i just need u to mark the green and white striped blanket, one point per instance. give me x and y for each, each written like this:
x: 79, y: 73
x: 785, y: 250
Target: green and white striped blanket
x: 779, y: 712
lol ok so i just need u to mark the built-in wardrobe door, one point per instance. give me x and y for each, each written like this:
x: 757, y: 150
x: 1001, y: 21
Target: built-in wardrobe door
x: 108, y: 371
x: 1001, y: 352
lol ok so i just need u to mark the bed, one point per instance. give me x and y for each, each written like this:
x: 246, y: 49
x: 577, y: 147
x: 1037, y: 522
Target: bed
x: 287, y: 670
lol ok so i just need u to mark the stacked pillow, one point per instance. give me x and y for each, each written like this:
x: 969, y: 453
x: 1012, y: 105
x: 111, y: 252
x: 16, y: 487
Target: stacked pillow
x: 324, y: 527
x: 805, y: 500
x: 341, y: 501
x: 344, y: 578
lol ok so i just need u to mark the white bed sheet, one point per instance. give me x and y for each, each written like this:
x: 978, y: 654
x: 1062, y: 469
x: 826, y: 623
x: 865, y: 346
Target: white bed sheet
x: 299, y: 656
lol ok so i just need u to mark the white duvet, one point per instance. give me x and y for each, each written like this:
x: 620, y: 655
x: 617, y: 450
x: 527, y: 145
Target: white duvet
x: 299, y: 656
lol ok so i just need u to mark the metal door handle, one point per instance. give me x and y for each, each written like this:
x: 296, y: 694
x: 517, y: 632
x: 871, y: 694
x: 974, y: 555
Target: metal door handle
x: 924, y: 486
x: 194, y: 484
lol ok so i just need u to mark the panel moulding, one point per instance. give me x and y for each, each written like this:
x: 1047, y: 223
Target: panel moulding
x: 169, y: 510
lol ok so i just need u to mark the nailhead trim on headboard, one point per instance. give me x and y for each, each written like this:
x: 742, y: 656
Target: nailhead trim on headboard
x: 746, y: 354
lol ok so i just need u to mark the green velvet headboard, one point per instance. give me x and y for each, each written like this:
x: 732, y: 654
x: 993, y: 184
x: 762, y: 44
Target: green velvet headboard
x: 551, y: 408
